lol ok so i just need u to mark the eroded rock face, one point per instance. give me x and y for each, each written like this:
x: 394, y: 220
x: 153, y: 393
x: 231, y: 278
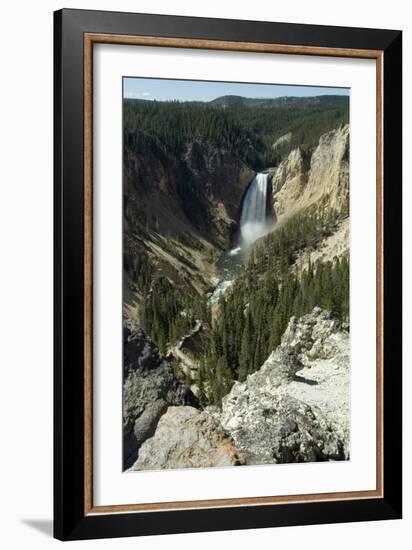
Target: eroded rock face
x: 329, y: 169
x: 291, y: 175
x: 308, y: 338
x: 220, y: 180
x: 281, y: 140
x: 279, y: 429
x: 333, y: 246
x: 279, y: 416
x: 299, y: 182
x: 187, y: 438
x: 149, y: 387
x: 185, y: 210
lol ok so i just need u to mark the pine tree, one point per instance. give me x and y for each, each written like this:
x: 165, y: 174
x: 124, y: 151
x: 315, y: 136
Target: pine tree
x: 246, y: 348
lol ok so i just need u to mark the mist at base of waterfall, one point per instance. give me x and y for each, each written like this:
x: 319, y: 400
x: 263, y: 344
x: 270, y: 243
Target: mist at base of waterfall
x: 252, y: 231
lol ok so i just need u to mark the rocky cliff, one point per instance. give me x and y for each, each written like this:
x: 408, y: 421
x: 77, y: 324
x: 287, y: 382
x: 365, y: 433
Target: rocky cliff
x: 295, y: 408
x: 323, y: 177
x: 149, y: 387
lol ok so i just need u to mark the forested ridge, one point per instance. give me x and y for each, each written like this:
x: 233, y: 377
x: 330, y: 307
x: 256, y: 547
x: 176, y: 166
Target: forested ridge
x: 170, y: 313
x: 247, y: 127
x: 172, y: 125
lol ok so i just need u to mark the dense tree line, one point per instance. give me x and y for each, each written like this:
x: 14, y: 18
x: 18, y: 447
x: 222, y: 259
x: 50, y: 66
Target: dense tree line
x: 171, y: 313
x: 279, y: 250
x: 247, y: 129
x: 139, y: 268
x: 254, y: 317
x: 171, y: 125
x: 305, y: 122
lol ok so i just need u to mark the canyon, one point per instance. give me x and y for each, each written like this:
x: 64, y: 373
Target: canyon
x: 236, y: 344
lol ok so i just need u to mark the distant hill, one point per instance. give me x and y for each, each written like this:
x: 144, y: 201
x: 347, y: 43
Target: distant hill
x: 285, y: 101
x: 229, y: 100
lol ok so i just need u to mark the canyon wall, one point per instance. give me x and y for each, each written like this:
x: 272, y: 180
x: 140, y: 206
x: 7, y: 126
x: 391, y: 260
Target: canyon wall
x: 302, y: 180
x: 179, y: 214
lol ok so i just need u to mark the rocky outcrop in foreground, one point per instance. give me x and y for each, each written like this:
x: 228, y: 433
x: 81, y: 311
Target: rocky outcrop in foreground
x: 279, y: 416
x: 295, y: 408
x: 187, y: 438
x: 149, y: 387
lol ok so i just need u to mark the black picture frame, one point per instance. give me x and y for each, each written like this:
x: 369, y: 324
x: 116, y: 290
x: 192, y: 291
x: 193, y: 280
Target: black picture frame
x: 71, y: 522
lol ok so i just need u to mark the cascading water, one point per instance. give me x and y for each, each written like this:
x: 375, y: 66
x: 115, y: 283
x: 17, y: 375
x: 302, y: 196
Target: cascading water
x: 254, y: 220
x: 254, y: 223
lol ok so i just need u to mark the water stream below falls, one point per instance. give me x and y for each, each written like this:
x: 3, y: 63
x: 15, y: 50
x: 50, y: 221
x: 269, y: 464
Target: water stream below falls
x: 255, y: 222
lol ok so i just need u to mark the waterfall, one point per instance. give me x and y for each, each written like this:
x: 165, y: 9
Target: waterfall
x: 254, y: 223
x: 254, y: 220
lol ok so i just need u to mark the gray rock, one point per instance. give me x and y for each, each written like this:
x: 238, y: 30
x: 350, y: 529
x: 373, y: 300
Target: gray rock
x: 304, y: 340
x: 269, y: 428
x: 272, y: 419
x: 307, y: 338
x: 187, y: 438
x: 146, y: 423
x: 149, y: 387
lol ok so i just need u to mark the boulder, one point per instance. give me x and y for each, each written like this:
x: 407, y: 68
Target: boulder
x: 272, y: 428
x: 149, y: 387
x: 187, y: 438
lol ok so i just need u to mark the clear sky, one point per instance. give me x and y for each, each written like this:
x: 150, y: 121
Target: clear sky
x: 195, y: 90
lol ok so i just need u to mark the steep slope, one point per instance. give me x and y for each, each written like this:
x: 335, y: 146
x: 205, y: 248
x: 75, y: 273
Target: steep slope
x: 336, y: 245
x: 149, y: 387
x: 179, y: 214
x: 323, y: 178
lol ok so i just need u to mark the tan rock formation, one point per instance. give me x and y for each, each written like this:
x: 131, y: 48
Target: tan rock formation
x: 298, y: 183
x: 187, y: 438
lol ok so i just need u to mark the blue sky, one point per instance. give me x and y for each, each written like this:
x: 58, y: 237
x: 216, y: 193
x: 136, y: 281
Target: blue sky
x: 190, y: 90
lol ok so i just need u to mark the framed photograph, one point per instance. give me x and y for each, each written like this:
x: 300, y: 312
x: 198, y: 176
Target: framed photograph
x: 227, y: 274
